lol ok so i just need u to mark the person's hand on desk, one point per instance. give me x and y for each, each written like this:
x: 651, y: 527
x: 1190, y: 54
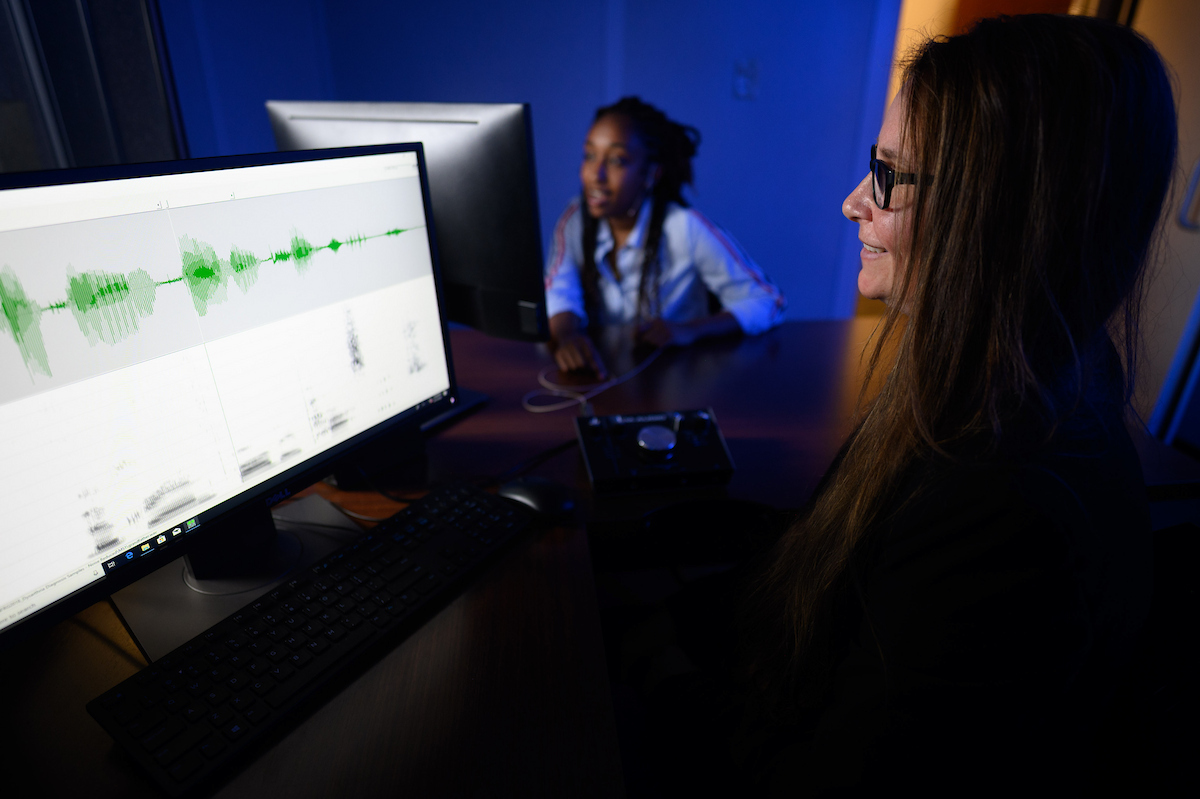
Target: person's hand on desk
x: 661, y: 333
x: 573, y: 350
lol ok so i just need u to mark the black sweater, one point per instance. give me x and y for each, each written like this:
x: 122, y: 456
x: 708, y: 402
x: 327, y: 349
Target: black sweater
x: 978, y: 643
x: 992, y: 618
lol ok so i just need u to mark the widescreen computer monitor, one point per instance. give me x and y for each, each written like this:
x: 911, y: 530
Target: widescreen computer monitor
x: 484, y: 193
x: 185, y: 344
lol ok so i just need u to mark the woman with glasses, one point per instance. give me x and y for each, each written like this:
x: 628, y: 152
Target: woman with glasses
x: 631, y: 252
x: 953, y: 608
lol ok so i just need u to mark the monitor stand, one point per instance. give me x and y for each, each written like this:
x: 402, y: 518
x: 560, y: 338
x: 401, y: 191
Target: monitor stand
x: 172, y: 605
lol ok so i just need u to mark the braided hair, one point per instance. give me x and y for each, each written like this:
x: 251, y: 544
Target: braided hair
x: 670, y: 146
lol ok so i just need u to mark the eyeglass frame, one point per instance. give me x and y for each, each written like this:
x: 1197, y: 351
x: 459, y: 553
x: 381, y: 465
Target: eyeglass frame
x: 891, y: 179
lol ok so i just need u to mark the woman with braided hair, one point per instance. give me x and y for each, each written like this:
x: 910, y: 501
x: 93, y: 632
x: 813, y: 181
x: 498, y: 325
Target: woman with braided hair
x: 631, y: 251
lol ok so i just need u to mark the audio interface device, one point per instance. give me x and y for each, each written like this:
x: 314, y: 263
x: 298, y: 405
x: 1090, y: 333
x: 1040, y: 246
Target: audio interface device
x: 673, y: 449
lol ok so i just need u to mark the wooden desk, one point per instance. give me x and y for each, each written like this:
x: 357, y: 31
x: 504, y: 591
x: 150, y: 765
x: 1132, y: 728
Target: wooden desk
x: 784, y: 401
x: 503, y: 693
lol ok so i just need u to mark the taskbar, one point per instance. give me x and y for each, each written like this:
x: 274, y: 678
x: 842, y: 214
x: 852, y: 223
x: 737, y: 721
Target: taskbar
x: 154, y: 544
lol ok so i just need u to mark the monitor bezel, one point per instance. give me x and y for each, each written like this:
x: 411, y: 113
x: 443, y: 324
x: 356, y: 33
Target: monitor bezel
x: 274, y: 490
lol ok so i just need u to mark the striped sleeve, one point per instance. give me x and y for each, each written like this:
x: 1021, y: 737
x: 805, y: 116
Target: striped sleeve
x: 743, y: 288
x: 564, y: 292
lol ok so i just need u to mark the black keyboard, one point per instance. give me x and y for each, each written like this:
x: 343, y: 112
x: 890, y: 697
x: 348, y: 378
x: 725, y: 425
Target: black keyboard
x: 187, y: 717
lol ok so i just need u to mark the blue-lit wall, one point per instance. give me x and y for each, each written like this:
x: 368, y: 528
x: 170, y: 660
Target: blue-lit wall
x: 781, y: 147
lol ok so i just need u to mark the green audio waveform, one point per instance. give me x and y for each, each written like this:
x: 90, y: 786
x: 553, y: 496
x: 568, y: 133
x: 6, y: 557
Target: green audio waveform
x: 108, y: 306
x: 20, y: 318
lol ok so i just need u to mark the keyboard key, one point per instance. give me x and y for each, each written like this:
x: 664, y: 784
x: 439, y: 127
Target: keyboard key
x: 163, y: 733
x: 212, y: 747
x: 237, y: 681
x: 258, y: 667
x: 198, y: 687
x: 262, y: 685
x: 153, y: 696
x: 146, y: 722
x: 170, y: 751
x: 282, y: 672
x: 217, y: 695
x: 220, y: 716
x: 193, y: 712
x: 186, y: 767
x: 242, y: 700
x: 235, y: 729
x: 220, y: 673
x: 405, y: 582
x: 295, y: 641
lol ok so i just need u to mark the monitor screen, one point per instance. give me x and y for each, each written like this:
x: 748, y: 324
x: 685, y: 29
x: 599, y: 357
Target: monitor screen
x: 181, y: 341
x: 483, y: 189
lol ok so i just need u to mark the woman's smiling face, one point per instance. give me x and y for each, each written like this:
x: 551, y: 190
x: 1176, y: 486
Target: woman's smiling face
x: 615, y: 172
x: 883, y: 232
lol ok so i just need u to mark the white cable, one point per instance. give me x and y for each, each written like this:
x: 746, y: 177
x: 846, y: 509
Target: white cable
x: 577, y: 395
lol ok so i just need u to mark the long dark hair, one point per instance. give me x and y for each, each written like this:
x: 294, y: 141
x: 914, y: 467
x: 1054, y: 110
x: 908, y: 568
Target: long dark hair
x: 669, y: 146
x: 1048, y: 145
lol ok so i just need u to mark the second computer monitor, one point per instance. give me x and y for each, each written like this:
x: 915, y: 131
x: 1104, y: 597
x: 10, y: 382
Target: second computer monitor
x: 482, y: 187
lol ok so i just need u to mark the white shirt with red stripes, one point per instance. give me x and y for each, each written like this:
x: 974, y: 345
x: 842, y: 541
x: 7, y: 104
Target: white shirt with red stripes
x: 696, y: 255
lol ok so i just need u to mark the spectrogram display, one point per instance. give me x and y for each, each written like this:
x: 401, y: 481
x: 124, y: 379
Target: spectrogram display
x: 108, y: 307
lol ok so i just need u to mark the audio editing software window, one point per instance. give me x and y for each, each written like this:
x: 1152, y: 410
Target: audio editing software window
x: 167, y: 342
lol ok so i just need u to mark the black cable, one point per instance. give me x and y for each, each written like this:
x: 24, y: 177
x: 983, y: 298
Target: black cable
x: 532, y: 463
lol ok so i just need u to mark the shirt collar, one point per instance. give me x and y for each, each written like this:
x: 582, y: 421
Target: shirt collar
x: 604, y: 237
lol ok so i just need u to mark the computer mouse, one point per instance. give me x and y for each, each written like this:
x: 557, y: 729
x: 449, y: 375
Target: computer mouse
x: 546, y: 497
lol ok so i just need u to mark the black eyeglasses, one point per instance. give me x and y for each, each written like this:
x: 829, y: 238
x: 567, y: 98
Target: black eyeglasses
x: 883, y: 178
